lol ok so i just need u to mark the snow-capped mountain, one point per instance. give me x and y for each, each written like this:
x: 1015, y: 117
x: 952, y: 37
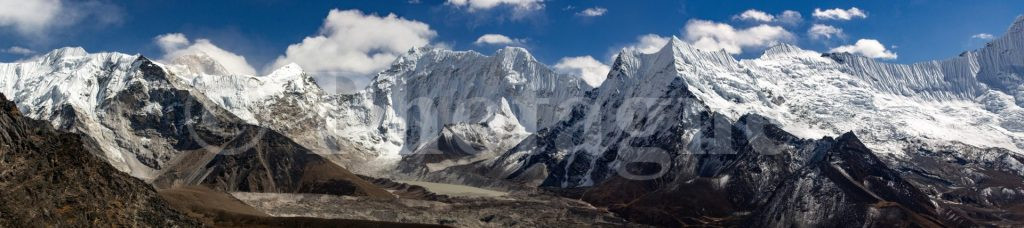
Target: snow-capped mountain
x: 809, y: 94
x: 667, y: 120
x: 50, y: 177
x: 404, y: 108
x: 104, y: 96
x: 408, y: 105
x: 147, y: 118
x: 757, y: 132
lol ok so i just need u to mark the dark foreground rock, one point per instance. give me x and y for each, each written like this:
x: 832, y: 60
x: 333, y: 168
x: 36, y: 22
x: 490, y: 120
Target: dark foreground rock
x: 49, y: 179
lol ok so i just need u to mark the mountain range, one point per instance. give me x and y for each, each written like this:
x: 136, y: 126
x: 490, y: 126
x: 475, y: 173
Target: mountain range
x: 675, y: 137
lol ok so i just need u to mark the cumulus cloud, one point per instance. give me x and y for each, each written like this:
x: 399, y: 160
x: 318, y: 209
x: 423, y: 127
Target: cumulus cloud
x: 868, y: 48
x: 29, y: 16
x: 787, y: 17
x: 754, y: 15
x: 497, y: 39
x: 983, y: 36
x: 592, y: 72
x: 18, y: 50
x: 819, y: 31
x: 352, y: 45
x: 712, y: 36
x: 474, y: 5
x: 176, y: 45
x: 35, y: 17
x: 592, y: 12
x: 839, y: 14
x: 790, y: 17
x: 649, y: 43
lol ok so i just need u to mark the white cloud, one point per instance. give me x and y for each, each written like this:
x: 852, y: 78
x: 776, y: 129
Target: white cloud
x: 649, y: 43
x: 839, y: 14
x: 172, y: 41
x: 176, y: 45
x: 352, y: 46
x: 983, y: 36
x: 28, y: 17
x: 712, y: 36
x: 497, y: 39
x: 18, y: 50
x: 787, y: 17
x: 35, y: 17
x: 646, y: 44
x: 592, y: 12
x: 754, y: 15
x: 592, y: 72
x: 790, y: 17
x: 868, y: 48
x: 818, y: 31
x: 474, y: 5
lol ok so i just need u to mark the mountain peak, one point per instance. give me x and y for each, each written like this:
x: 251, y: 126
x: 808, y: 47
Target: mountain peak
x: 200, y: 62
x: 290, y: 69
x: 685, y: 49
x: 676, y: 41
x: 514, y: 53
x: 65, y: 52
x: 782, y: 49
x: 1018, y: 25
x: 676, y: 44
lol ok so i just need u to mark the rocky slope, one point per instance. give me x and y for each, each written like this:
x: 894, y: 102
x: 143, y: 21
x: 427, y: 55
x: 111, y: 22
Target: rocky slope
x: 140, y: 116
x: 406, y: 109
x: 50, y: 178
x: 948, y: 132
x: 668, y: 122
x: 986, y: 185
x: 154, y: 124
x: 274, y: 164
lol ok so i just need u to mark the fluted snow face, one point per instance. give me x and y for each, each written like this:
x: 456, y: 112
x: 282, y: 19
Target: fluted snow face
x: 815, y: 95
x: 885, y: 104
x: 66, y: 76
x: 44, y: 86
x: 408, y: 104
x: 1001, y: 62
x: 806, y: 93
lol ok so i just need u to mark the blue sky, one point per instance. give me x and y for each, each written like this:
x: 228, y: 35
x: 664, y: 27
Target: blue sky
x: 262, y: 30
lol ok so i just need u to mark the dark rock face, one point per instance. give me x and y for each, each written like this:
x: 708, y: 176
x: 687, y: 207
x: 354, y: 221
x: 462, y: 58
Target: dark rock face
x: 274, y: 163
x: 970, y: 184
x: 49, y: 178
x: 185, y: 121
x: 709, y: 188
x: 732, y: 178
x: 195, y: 142
x: 846, y: 185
